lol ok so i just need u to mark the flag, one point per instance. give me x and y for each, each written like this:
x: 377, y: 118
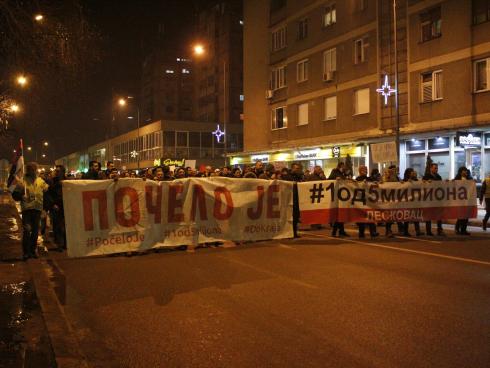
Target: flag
x: 16, y: 174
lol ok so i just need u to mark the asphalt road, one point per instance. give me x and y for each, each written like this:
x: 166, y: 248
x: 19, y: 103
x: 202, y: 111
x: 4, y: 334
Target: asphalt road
x: 316, y: 301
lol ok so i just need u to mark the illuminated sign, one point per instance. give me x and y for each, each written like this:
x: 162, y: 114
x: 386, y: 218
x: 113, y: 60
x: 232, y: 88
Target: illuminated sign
x: 336, y: 151
x: 218, y: 133
x: 171, y: 162
x: 306, y: 154
x: 263, y: 158
x: 468, y: 139
x: 386, y: 90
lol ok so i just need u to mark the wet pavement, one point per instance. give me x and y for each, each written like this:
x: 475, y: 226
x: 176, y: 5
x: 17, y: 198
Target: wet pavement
x: 24, y: 341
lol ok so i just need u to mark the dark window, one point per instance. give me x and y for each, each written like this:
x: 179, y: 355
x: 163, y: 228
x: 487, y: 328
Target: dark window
x: 169, y: 138
x: 303, y: 29
x: 206, y: 140
x: 277, y: 5
x: 194, y: 139
x: 430, y: 24
x: 481, y: 11
x: 415, y: 145
x: 181, y: 139
x: 439, y: 143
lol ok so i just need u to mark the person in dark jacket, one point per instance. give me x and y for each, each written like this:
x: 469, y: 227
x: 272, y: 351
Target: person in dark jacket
x: 462, y: 224
x: 296, y: 176
x: 362, y: 225
x: 433, y: 176
x: 411, y: 175
x: 317, y: 174
x: 338, y: 173
x: 55, y: 194
x: 93, y: 172
x: 485, y: 198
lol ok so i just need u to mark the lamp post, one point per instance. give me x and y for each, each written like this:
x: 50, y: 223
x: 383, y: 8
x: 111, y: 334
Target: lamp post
x: 199, y: 50
x: 123, y: 102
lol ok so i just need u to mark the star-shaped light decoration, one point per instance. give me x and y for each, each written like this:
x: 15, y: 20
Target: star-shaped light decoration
x: 386, y: 90
x: 218, y: 133
x: 133, y: 154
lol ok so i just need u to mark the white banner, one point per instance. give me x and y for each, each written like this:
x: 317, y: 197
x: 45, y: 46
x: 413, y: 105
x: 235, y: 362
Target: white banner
x: 351, y: 201
x: 108, y: 216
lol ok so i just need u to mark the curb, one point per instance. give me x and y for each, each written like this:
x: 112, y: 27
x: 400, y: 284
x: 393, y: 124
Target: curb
x: 63, y: 341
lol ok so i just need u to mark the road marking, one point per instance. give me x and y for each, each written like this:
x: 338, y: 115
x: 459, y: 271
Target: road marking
x: 467, y: 260
x: 270, y: 273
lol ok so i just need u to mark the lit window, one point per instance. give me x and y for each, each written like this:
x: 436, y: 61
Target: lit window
x: 482, y: 75
x: 241, y: 22
x: 430, y: 24
x: 169, y: 71
x: 360, y: 46
x: 330, y: 108
x: 431, y: 86
x: 186, y: 71
x: 303, y: 114
x: 279, y: 118
x: 330, y: 15
x: 302, y: 71
x: 329, y: 64
x: 361, y: 101
x: 242, y: 97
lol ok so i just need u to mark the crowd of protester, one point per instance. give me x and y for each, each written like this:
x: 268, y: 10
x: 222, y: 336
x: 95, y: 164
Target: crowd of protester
x: 41, y: 196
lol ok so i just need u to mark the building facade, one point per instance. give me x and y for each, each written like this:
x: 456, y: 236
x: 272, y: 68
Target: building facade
x: 312, y: 69
x: 169, y: 142
x: 219, y: 69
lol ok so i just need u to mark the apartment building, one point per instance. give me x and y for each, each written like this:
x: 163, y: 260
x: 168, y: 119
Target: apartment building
x: 312, y: 69
x: 167, y: 87
x: 219, y: 69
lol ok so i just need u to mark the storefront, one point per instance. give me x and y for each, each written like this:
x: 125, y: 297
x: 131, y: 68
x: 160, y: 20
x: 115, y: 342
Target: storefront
x: 450, y: 151
x: 325, y: 157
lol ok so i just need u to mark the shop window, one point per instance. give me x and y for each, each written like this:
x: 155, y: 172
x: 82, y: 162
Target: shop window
x: 430, y: 24
x: 302, y: 71
x: 417, y: 162
x: 279, y: 118
x: 459, y: 161
x: 443, y: 160
x: 303, y: 29
x: 361, y: 101
x: 330, y: 108
x: 482, y: 75
x: 330, y: 15
x: 481, y: 11
x: 303, y: 114
x: 487, y: 140
x: 415, y: 145
x: 431, y: 86
x: 439, y: 143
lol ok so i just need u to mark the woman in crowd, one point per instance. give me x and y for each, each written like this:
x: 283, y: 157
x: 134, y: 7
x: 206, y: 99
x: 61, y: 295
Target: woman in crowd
x: 462, y: 224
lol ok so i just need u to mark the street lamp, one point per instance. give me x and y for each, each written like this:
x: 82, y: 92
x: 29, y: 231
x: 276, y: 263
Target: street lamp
x: 46, y: 144
x: 38, y: 17
x: 14, y: 108
x: 22, y: 80
x: 29, y: 148
x: 123, y: 102
x: 43, y: 155
x: 199, y: 50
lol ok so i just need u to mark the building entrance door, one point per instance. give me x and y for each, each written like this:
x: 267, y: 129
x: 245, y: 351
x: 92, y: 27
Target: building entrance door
x: 473, y: 162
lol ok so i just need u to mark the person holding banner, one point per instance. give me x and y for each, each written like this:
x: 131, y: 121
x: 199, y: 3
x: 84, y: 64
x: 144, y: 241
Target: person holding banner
x: 362, y: 225
x: 411, y: 175
x: 485, y: 196
x: 338, y: 173
x: 296, y: 176
x: 33, y: 189
x: 433, y: 175
x: 462, y: 224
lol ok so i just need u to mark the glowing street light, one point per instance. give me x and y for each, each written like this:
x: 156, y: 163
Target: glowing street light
x: 122, y: 102
x: 15, y: 108
x: 21, y: 80
x: 199, y: 49
x: 29, y: 148
x: 43, y: 155
x: 46, y: 144
x: 38, y: 17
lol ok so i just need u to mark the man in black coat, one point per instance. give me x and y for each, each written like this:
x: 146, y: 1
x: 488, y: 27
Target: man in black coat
x: 338, y: 173
x: 433, y: 176
x: 362, y: 225
x: 296, y: 176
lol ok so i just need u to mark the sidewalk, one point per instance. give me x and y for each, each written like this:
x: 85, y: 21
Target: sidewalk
x: 24, y: 341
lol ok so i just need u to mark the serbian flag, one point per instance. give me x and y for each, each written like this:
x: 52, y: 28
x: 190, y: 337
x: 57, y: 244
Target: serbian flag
x: 16, y: 174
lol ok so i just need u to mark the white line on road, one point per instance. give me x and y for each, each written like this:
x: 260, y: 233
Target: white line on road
x: 467, y: 260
